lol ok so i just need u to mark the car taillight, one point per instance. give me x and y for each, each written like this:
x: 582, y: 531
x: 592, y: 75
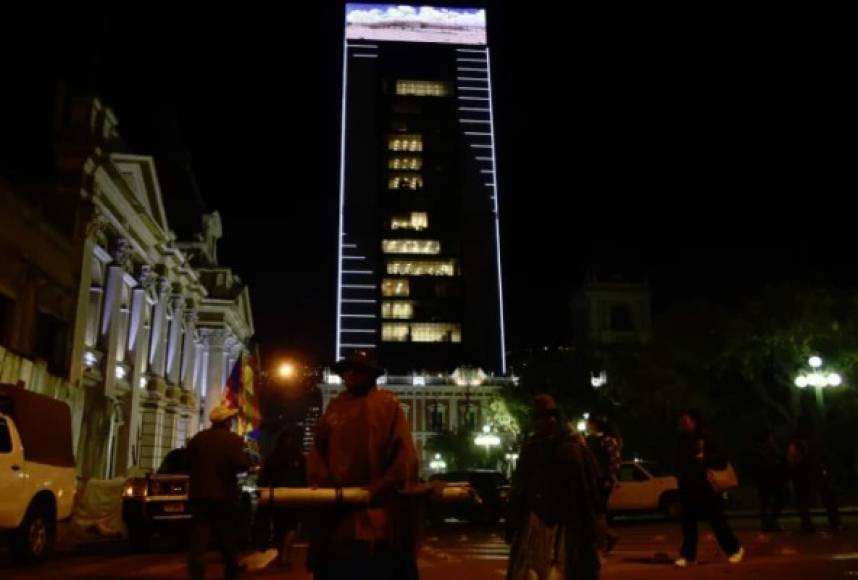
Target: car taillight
x: 135, y: 488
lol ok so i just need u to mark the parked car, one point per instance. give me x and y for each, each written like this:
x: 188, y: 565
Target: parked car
x: 157, y: 504
x: 492, y: 490
x: 37, y: 474
x: 642, y: 486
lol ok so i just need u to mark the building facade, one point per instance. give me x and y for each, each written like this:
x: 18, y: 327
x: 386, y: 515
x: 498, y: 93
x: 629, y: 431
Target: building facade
x: 419, y: 268
x: 154, y: 325
x: 419, y: 277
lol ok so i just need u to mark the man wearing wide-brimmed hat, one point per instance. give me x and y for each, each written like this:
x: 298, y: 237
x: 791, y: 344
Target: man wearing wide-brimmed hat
x: 216, y: 456
x: 363, y: 440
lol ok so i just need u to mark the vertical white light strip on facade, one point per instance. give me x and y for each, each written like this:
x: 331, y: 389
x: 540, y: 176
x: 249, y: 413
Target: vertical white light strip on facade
x: 342, y: 196
x: 497, y: 216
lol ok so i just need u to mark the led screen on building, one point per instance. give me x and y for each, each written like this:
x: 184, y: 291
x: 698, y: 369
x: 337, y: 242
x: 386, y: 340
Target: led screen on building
x: 391, y: 22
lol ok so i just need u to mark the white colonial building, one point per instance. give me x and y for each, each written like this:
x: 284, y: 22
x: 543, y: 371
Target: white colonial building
x: 435, y: 403
x: 157, y: 325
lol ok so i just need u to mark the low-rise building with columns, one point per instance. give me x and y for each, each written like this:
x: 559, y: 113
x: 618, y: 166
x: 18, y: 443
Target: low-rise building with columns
x: 157, y: 323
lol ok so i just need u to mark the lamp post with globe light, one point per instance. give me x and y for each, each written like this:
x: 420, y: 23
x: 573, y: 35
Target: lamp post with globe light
x: 819, y: 379
x: 487, y: 439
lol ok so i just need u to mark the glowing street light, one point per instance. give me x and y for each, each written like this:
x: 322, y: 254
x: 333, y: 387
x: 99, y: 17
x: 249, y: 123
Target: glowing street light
x: 438, y: 464
x: 818, y: 378
x: 286, y: 370
x: 487, y: 439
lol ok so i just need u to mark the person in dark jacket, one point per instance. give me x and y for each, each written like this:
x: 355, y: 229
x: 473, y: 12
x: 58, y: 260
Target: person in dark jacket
x: 554, y: 503
x: 810, y: 473
x: 606, y: 446
x: 285, y: 467
x: 216, y: 456
x: 769, y: 468
x: 696, y: 454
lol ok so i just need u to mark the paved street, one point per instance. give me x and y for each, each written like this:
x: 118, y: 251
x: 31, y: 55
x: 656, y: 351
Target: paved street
x: 463, y: 552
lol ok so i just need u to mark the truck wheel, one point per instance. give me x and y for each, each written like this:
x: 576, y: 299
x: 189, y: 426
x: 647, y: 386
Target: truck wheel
x: 35, y: 538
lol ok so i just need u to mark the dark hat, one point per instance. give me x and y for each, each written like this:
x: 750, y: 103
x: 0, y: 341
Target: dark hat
x: 358, y: 360
x: 544, y: 404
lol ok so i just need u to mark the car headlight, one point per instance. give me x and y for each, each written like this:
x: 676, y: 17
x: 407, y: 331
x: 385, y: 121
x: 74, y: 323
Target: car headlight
x: 135, y: 488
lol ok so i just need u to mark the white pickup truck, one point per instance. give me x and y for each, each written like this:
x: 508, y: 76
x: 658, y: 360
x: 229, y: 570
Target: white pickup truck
x: 37, y: 475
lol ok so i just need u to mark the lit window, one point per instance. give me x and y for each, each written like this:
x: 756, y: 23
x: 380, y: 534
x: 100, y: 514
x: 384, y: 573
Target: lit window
x: 411, y: 246
x: 416, y: 220
x: 405, y: 181
x: 436, y: 332
x: 398, y: 309
x: 408, y: 142
x: 422, y: 267
x: 422, y: 88
x: 394, y: 332
x: 405, y: 162
x: 394, y: 287
x: 421, y: 332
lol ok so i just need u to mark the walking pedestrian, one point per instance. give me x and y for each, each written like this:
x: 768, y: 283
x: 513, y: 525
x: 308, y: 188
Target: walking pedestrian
x: 285, y: 467
x: 362, y: 440
x: 769, y: 470
x: 554, y: 503
x: 216, y: 455
x: 811, y: 474
x: 696, y: 454
x: 606, y: 446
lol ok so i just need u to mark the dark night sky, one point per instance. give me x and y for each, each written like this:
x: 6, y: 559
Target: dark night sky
x: 710, y: 151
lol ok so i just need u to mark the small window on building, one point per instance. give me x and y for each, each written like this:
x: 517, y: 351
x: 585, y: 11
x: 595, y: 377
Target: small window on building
x: 395, y: 287
x: 621, y: 318
x: 416, y: 220
x: 7, y: 306
x: 394, y: 332
x: 405, y: 181
x: 406, y: 142
x: 406, y: 246
x: 436, y: 332
x: 397, y: 309
x: 51, y: 334
x: 5, y: 437
x: 422, y: 88
x: 405, y: 162
x: 422, y: 267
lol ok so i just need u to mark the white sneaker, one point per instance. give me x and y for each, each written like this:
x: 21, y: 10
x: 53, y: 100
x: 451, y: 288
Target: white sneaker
x: 737, y: 557
x: 681, y: 563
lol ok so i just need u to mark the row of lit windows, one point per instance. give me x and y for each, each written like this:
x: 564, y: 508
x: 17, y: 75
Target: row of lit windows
x: 407, y: 162
x: 422, y: 88
x: 421, y: 332
x: 411, y: 246
x: 416, y: 220
x: 413, y: 182
x: 422, y: 267
x: 398, y: 309
x: 408, y: 142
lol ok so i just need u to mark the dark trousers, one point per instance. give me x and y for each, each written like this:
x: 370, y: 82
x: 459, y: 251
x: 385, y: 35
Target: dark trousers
x: 366, y: 561
x: 771, y: 495
x: 705, y: 506
x: 805, y: 486
x: 218, y: 518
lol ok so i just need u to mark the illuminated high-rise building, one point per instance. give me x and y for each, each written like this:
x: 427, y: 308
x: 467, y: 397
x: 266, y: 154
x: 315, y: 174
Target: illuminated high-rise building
x: 419, y: 268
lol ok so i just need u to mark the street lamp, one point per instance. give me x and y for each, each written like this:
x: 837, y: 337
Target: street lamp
x: 438, y: 464
x: 818, y: 379
x: 487, y: 439
x: 512, y: 459
x: 286, y: 370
